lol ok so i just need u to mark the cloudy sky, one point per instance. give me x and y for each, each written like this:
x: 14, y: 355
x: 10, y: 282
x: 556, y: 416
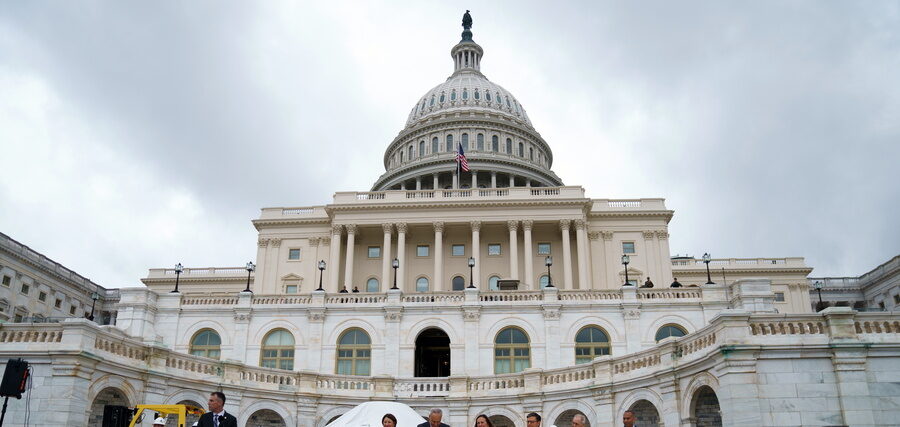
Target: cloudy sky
x: 140, y: 134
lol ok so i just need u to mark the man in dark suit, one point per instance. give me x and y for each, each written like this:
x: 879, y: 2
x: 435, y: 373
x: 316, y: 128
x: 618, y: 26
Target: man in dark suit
x: 217, y: 417
x: 434, y: 419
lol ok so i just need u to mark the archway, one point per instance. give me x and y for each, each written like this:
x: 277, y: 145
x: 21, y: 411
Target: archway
x: 265, y: 418
x: 705, y: 408
x: 565, y: 419
x: 172, y: 421
x: 108, y: 396
x: 432, y: 354
x: 501, y: 421
x: 645, y: 414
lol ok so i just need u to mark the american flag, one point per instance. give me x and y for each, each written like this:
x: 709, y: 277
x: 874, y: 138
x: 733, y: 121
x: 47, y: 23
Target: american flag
x: 461, y: 162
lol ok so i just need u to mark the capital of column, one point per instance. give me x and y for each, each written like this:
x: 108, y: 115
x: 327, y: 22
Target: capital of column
x: 648, y: 234
x: 276, y: 242
x: 662, y: 234
x: 351, y: 228
x: 337, y: 229
x: 580, y: 224
x: 314, y: 241
x: 402, y: 227
x: 388, y: 228
x: 512, y: 224
x: 476, y: 225
x: 593, y: 235
x: 263, y: 242
x: 325, y: 241
x: 438, y: 226
x: 527, y: 224
x: 564, y: 224
x: 607, y: 235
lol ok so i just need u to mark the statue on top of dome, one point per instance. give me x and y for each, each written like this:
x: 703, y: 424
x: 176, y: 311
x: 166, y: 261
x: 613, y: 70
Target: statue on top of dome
x: 467, y: 21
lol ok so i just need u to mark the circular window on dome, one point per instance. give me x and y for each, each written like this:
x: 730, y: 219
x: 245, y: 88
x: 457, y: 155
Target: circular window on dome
x: 476, y: 94
x: 453, y: 95
x: 465, y: 94
x: 442, y: 98
x: 487, y: 95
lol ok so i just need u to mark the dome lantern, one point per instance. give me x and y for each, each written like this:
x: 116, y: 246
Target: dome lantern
x: 466, y: 54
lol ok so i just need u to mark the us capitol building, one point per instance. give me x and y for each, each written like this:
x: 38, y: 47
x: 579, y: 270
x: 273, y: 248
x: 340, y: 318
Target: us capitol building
x: 496, y: 290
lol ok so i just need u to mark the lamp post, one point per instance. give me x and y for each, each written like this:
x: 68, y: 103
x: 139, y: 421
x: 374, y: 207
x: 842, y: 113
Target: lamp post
x: 250, y: 268
x: 625, y: 260
x: 396, y: 264
x: 321, y: 272
x: 818, y: 285
x: 471, y: 267
x: 706, y: 259
x: 95, y: 296
x: 548, y: 262
x: 178, y: 269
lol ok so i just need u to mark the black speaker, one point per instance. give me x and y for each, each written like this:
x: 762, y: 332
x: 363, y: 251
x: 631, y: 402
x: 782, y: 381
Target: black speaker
x: 116, y: 416
x: 14, y: 379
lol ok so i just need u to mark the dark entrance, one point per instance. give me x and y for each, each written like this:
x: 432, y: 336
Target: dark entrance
x: 432, y: 354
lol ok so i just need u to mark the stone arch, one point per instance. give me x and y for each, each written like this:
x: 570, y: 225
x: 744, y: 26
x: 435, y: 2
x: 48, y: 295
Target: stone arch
x: 188, y: 419
x: 637, y: 396
x: 342, y: 327
x: 109, y: 390
x: 265, y: 410
x: 190, y: 331
x: 700, y: 380
x: 565, y: 418
x: 264, y: 330
x: 518, y: 322
x: 331, y: 414
x: 424, y: 324
x: 650, y: 332
x: 569, y: 408
x: 611, y: 331
x: 183, y: 395
x: 514, y: 417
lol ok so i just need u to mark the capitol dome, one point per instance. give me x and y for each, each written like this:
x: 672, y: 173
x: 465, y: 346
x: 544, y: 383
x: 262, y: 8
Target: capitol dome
x: 470, y: 112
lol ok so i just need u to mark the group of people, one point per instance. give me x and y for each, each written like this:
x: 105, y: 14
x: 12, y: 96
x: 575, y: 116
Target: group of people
x: 533, y: 420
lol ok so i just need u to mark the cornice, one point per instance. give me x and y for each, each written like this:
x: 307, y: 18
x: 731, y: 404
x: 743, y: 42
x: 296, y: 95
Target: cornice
x: 458, y: 204
x: 701, y: 271
x: 619, y: 214
x: 207, y: 279
x: 259, y: 224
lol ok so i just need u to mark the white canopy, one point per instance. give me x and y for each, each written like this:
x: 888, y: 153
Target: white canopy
x: 369, y: 414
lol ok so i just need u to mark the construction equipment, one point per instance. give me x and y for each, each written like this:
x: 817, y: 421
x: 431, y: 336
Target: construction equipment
x: 165, y: 410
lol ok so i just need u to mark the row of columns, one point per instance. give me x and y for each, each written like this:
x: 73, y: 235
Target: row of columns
x: 456, y: 181
x: 584, y: 274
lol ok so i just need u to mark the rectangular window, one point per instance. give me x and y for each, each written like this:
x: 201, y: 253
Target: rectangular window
x: 72, y: 310
x: 25, y: 288
x: 897, y: 299
x: 18, y: 318
x: 779, y: 296
x: 493, y: 249
x: 374, y: 251
x: 294, y: 254
x: 42, y: 296
x: 422, y: 250
x: 7, y: 280
x: 458, y: 250
x: 58, y: 303
x: 627, y: 247
x: 290, y: 289
x: 543, y: 249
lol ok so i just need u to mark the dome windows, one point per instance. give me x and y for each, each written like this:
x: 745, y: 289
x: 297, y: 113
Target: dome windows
x: 479, y: 142
x: 432, y: 100
x: 487, y: 96
x: 434, y: 145
x: 498, y: 97
x: 442, y: 98
x: 495, y: 144
x: 421, y: 148
x: 508, y: 146
x: 449, y: 146
x: 465, y: 94
x: 477, y: 95
x: 521, y: 150
x: 507, y: 102
x: 452, y: 95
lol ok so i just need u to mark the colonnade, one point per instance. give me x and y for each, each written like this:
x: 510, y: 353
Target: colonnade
x: 496, y: 181
x: 439, y: 283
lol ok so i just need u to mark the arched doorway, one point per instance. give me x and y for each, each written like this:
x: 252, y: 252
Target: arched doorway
x: 172, y: 421
x: 501, y: 421
x: 332, y: 419
x: 705, y: 408
x: 432, y: 354
x: 565, y: 419
x: 107, y: 396
x: 265, y: 418
x: 645, y: 414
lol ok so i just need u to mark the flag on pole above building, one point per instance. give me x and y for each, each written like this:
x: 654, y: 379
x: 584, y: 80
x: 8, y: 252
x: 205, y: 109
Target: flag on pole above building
x: 461, y: 162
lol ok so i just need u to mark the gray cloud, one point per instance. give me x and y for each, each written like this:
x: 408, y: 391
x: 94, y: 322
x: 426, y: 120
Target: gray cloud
x: 771, y: 128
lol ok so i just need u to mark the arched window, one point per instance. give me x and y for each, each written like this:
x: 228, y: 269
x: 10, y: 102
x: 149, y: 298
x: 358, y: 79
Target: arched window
x: 590, y: 342
x: 511, y: 351
x: 487, y: 96
x: 521, y: 150
x: 544, y: 281
x: 477, y: 96
x: 670, y: 330
x: 434, y: 145
x: 354, y: 353
x: 459, y: 283
x: 432, y: 100
x: 409, y: 154
x: 495, y: 144
x: 372, y: 285
x: 421, y: 148
x: 442, y: 98
x: 465, y: 94
x: 422, y: 284
x: 531, y: 153
x: 508, y: 146
x: 401, y: 154
x: 277, y: 350
x: 498, y: 98
x: 206, y: 343
x: 450, y: 146
x: 479, y: 142
x: 465, y: 141
x: 494, y: 283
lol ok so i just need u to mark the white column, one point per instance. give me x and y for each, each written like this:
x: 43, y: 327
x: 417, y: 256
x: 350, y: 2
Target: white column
x: 334, y: 258
x: 474, y: 179
x: 476, y: 252
x: 493, y: 179
x: 455, y: 180
x: 438, y: 278
x: 567, y: 254
x: 513, y: 226
x: 581, y: 242
x: 348, y: 266
x: 403, y: 185
x: 386, y: 257
x: 527, y: 182
x: 528, y: 254
x: 401, y: 255
x: 596, y: 263
x: 611, y: 261
x: 512, y: 181
x: 665, y: 259
x: 435, y: 185
x: 418, y: 183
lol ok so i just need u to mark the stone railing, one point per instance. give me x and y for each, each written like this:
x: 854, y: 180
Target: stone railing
x: 510, y: 296
x: 669, y: 294
x: 169, y: 273
x: 221, y: 299
x: 457, y: 194
x: 282, y: 299
x: 443, y: 298
x: 350, y: 298
x: 590, y: 295
x: 740, y: 262
x: 728, y: 329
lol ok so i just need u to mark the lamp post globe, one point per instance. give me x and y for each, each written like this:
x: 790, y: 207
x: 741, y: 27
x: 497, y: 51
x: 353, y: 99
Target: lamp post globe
x: 471, y: 268
x: 321, y: 271
x: 548, y: 262
x: 395, y: 264
x: 625, y: 261
x: 706, y: 259
x: 178, y: 269
x: 250, y: 268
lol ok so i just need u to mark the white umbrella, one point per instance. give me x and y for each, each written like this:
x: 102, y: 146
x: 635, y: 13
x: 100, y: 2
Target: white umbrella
x: 369, y: 414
